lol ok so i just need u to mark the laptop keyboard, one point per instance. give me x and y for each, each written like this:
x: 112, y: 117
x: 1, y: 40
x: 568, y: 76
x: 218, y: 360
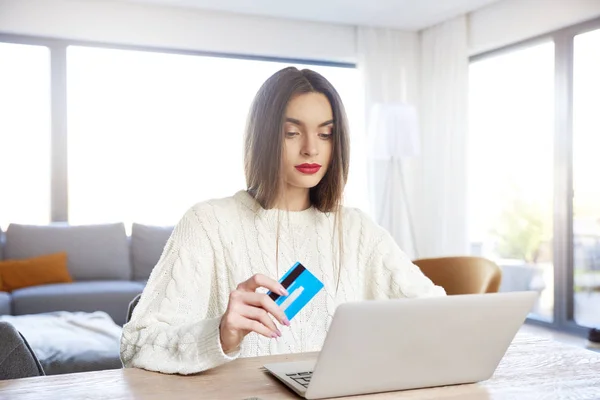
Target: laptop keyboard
x: 301, y: 378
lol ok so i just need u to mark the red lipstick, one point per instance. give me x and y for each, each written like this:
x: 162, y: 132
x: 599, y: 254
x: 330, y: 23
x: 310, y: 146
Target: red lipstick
x: 308, y: 169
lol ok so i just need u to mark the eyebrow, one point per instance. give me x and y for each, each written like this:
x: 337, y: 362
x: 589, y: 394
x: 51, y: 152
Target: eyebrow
x: 300, y: 123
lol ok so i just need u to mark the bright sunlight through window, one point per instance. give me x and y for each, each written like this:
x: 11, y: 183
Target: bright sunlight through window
x: 151, y: 134
x: 511, y: 167
x: 24, y: 134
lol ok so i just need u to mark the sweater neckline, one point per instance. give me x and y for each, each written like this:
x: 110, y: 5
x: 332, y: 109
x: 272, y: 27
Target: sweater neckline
x: 294, y: 217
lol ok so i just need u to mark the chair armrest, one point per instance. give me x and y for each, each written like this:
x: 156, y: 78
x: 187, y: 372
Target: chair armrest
x: 17, y: 360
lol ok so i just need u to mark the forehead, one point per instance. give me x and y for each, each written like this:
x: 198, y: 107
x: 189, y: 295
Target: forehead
x: 309, y: 108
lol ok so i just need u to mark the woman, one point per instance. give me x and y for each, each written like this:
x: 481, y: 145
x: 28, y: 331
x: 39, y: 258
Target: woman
x: 194, y: 313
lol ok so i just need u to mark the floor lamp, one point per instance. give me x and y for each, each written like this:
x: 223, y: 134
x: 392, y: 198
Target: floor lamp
x: 393, y: 136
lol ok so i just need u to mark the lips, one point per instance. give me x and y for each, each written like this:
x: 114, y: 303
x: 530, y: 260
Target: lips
x: 308, y: 169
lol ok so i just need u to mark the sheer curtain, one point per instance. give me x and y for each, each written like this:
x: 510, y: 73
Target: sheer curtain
x: 441, y: 207
x: 423, y: 207
x: 388, y: 61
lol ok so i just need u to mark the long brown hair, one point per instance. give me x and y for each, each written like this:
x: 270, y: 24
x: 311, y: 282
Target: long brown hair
x: 264, y: 146
x: 264, y: 139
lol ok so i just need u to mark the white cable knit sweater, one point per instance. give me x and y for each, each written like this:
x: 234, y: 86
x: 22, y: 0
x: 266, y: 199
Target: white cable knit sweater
x: 220, y: 243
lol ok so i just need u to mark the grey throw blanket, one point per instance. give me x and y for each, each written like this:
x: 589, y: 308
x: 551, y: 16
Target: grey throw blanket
x: 66, y: 342
x: 16, y: 357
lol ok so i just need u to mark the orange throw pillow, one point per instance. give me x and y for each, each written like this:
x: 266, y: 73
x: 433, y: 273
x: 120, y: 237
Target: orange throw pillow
x: 17, y: 274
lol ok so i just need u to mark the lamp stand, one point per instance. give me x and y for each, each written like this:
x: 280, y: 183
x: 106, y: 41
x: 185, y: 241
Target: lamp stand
x: 391, y: 177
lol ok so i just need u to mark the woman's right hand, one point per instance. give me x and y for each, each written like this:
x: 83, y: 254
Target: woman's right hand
x: 249, y: 311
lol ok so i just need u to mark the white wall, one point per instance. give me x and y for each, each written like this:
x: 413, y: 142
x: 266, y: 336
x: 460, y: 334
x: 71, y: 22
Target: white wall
x: 150, y: 25
x: 510, y: 21
x: 499, y: 24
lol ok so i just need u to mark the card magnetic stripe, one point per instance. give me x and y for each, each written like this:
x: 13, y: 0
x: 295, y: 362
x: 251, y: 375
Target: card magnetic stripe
x: 289, y: 278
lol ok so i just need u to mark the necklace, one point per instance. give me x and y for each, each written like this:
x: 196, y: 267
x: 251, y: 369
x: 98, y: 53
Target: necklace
x: 335, y: 255
x: 293, y: 239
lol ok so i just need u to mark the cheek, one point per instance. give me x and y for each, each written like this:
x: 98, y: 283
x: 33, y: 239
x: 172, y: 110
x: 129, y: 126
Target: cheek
x: 288, y: 154
x: 328, y: 150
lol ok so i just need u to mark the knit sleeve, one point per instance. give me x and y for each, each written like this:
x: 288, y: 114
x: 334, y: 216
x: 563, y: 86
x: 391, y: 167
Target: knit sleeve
x: 391, y: 274
x: 175, y: 326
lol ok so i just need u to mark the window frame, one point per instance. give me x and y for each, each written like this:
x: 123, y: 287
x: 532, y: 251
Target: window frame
x: 564, y: 307
x: 59, y: 185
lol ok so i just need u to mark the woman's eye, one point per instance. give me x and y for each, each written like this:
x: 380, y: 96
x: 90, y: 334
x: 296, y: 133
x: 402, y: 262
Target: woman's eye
x: 291, y: 134
x: 325, y: 136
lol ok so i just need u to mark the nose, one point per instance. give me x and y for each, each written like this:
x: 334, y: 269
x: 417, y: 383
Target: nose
x: 310, y: 147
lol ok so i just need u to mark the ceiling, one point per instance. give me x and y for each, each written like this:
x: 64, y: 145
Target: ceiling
x: 399, y: 14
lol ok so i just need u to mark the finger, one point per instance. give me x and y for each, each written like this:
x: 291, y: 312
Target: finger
x: 265, y: 302
x: 260, y: 280
x: 255, y: 326
x: 260, y: 315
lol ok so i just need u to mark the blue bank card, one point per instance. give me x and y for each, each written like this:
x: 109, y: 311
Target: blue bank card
x: 301, y: 285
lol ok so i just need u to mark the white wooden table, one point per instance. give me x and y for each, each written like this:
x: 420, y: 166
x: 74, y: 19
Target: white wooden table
x: 532, y: 368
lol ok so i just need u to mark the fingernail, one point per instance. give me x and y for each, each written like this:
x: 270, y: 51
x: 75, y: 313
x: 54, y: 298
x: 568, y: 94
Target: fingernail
x: 286, y: 322
x: 274, y: 335
x: 279, y: 333
x: 283, y: 291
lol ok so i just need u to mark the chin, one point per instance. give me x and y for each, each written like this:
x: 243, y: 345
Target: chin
x: 302, y: 181
x: 307, y: 183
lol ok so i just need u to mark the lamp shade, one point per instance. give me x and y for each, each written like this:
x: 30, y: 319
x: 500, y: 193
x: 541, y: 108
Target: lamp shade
x: 393, y: 131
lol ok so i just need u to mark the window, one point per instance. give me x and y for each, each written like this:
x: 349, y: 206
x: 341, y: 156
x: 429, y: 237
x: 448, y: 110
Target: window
x: 586, y: 184
x: 24, y: 134
x: 150, y: 134
x: 511, y: 136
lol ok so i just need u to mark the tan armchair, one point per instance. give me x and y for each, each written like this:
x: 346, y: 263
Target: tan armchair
x: 462, y: 275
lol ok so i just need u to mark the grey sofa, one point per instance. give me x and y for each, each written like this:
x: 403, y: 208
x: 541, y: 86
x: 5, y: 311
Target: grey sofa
x: 109, y: 268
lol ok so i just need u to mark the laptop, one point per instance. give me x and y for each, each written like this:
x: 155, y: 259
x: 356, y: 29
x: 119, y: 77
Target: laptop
x: 390, y: 345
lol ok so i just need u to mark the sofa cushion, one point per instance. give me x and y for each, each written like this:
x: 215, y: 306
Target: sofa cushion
x: 94, y: 252
x: 42, y: 270
x: 112, y: 297
x: 147, y: 245
x: 5, y: 303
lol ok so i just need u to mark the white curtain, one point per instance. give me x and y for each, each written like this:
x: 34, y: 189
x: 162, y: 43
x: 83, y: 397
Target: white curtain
x: 441, y: 226
x: 421, y: 200
x: 388, y: 61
